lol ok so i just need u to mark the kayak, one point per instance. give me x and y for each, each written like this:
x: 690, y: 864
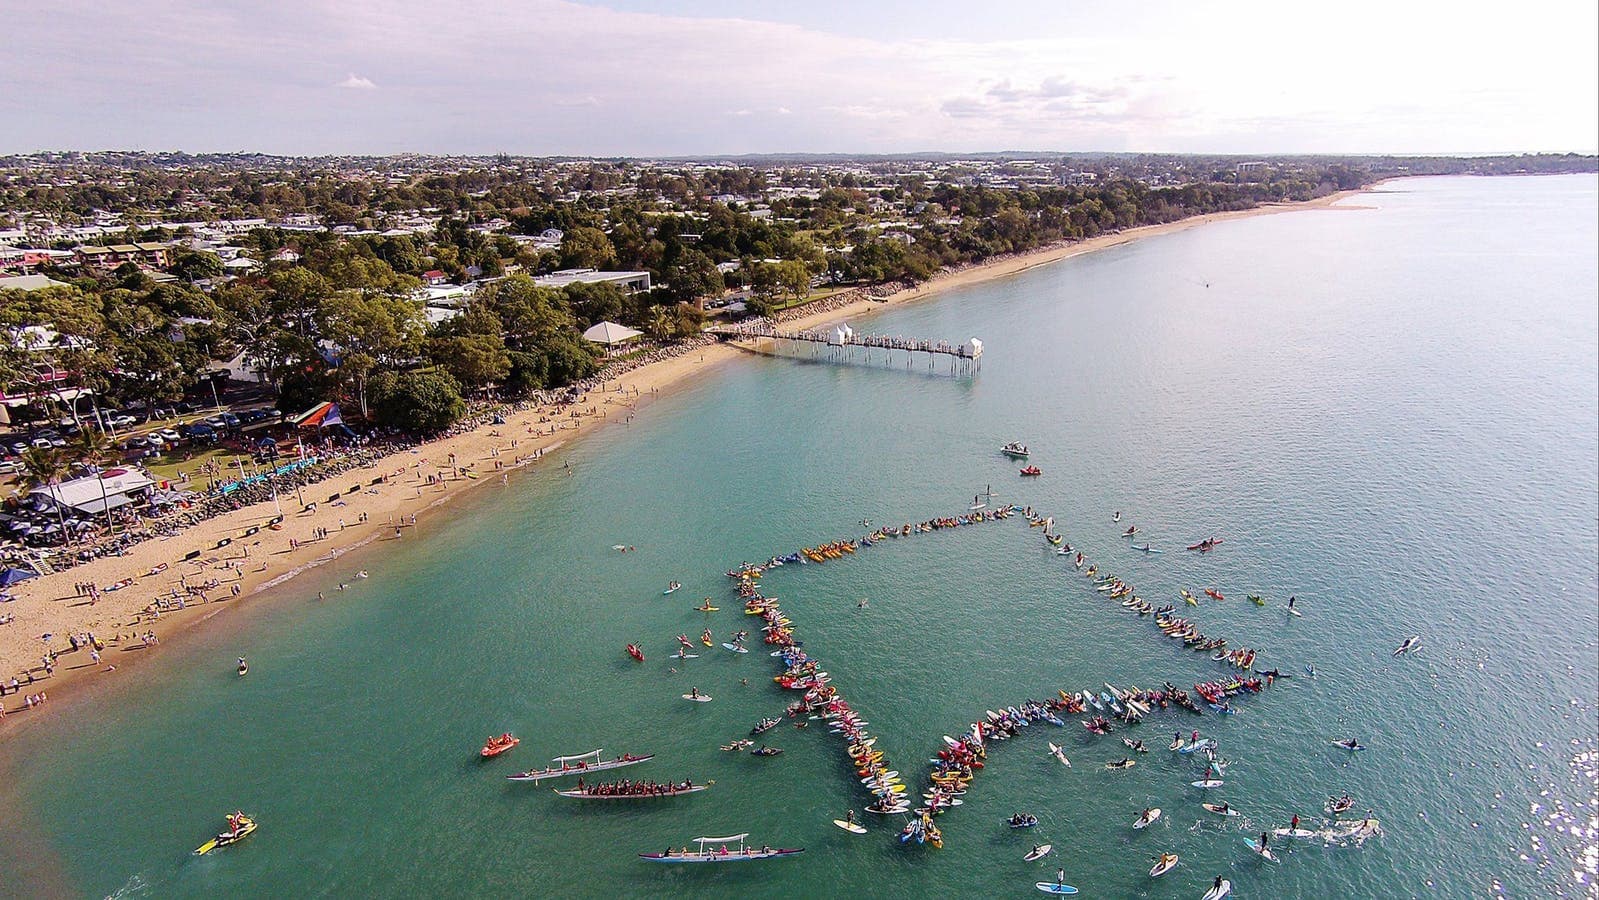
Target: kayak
x: 1219, y: 891
x: 697, y: 699
x: 708, y: 609
x: 1144, y: 821
x: 850, y: 827
x: 1054, y: 887
x: 1220, y: 810
x: 1264, y: 852
x: 1039, y: 852
x: 1166, y: 863
x: 1345, y: 745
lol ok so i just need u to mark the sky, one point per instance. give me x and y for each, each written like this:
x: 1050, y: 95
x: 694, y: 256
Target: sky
x: 723, y: 77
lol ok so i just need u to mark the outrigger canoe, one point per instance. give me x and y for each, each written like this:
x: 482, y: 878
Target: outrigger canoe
x: 704, y: 854
x: 588, y: 793
x: 581, y: 764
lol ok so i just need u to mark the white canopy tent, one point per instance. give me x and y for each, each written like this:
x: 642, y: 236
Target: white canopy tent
x: 610, y: 334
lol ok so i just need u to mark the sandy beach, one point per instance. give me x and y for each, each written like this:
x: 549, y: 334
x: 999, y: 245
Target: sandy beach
x: 417, y: 484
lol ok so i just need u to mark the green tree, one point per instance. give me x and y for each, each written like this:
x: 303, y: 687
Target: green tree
x: 474, y: 360
x: 416, y: 401
x: 45, y: 466
x: 193, y: 265
x: 587, y: 248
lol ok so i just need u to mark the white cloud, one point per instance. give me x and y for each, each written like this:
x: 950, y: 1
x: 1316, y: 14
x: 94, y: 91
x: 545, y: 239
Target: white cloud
x: 1264, y: 78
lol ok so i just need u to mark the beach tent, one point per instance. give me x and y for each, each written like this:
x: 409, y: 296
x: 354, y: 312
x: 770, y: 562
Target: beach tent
x: 610, y: 333
x: 321, y: 415
x: 8, y: 577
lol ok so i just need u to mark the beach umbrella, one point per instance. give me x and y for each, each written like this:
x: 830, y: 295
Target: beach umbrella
x: 8, y: 577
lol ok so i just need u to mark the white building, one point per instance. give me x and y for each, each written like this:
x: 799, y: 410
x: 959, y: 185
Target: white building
x: 627, y: 281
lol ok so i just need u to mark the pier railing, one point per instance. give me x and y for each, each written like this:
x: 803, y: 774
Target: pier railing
x: 843, y: 341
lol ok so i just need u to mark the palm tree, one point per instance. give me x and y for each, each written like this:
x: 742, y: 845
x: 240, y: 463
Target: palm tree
x: 94, y: 448
x: 45, y: 466
x: 657, y: 323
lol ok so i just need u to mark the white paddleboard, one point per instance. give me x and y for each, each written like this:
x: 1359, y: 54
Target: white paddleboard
x: 1163, y: 866
x: 1293, y: 832
x: 1265, y: 852
x: 850, y: 827
x: 1041, y: 851
x: 1154, y: 816
x: 700, y: 699
x: 1218, y: 892
x: 1207, y: 783
x: 734, y: 647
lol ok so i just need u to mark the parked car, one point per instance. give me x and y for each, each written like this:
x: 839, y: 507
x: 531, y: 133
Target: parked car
x: 155, y: 440
x: 170, y: 435
x: 124, y: 420
x: 202, y: 433
x: 10, y: 467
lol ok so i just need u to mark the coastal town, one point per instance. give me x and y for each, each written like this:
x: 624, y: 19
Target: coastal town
x: 597, y: 448
x: 194, y: 345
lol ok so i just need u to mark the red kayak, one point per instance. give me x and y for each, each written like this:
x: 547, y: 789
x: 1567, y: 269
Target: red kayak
x: 1214, y: 594
x: 497, y: 745
x: 635, y: 652
x: 1032, y: 470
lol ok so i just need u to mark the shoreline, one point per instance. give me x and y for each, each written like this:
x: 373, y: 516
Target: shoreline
x: 416, y: 481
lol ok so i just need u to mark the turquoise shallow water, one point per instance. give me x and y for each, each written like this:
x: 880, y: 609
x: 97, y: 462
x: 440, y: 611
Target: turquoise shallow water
x: 1388, y: 412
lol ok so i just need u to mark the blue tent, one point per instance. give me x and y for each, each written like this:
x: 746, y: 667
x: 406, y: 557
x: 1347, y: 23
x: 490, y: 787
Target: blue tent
x: 8, y: 577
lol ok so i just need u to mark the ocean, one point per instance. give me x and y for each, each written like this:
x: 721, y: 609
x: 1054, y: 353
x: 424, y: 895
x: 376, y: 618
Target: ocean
x: 1388, y: 410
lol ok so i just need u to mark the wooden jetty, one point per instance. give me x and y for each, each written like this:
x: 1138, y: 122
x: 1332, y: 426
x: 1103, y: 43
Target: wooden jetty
x: 840, y: 342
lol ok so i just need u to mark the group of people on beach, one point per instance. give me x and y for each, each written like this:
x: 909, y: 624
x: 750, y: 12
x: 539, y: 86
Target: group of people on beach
x: 330, y: 460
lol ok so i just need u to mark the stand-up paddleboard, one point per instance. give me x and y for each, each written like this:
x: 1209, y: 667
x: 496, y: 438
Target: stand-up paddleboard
x: 1207, y: 783
x: 1293, y: 833
x: 850, y: 827
x: 1220, y: 810
x: 1294, y: 612
x: 685, y: 656
x: 1144, y: 821
x: 1039, y: 852
x: 1355, y: 749
x: 1264, y: 852
x: 1219, y: 891
x: 1059, y: 753
x: 1163, y: 865
x: 1055, y: 887
x: 700, y: 699
x: 734, y: 647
